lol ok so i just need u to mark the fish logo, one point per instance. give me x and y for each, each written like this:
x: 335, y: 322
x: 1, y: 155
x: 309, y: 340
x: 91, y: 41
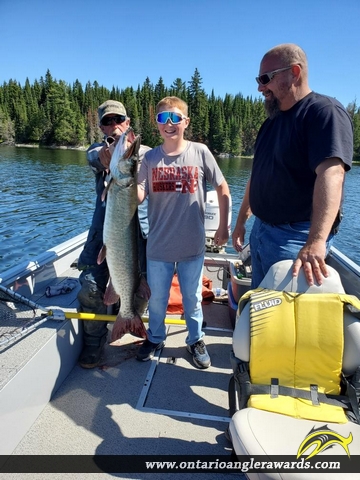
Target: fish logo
x: 323, y: 438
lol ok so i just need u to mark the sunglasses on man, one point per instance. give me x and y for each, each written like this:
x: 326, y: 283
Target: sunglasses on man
x: 175, y: 118
x: 266, y: 78
x: 106, y: 121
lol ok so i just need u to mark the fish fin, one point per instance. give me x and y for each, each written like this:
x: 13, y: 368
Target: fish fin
x: 102, y: 255
x: 133, y: 325
x: 106, y: 189
x: 120, y: 327
x: 142, y: 296
x: 110, y: 296
x: 143, y: 290
x: 137, y: 327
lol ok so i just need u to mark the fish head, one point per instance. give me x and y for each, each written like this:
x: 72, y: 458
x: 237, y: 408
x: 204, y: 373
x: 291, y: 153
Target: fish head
x: 125, y: 158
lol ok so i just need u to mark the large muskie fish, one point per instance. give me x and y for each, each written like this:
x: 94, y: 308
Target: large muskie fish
x: 120, y: 240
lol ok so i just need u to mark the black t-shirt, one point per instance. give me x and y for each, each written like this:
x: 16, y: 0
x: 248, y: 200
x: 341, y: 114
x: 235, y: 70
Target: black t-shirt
x: 288, y: 149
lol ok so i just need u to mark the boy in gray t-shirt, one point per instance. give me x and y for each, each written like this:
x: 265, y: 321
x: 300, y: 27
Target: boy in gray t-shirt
x: 173, y: 177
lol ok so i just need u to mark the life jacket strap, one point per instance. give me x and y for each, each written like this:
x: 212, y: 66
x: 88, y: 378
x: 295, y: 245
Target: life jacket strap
x: 241, y: 386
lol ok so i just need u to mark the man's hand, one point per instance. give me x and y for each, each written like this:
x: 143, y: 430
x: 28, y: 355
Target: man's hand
x: 238, y: 237
x: 105, y: 156
x: 312, y: 258
x: 107, y: 150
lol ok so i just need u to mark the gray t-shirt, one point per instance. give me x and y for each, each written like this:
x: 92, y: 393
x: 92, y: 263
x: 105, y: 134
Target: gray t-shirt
x: 176, y: 188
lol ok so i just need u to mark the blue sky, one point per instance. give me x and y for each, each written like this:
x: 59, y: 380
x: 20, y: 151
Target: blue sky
x: 120, y: 43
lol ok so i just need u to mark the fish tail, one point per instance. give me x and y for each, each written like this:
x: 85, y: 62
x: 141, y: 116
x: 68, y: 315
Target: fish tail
x: 142, y: 296
x: 120, y: 328
x: 133, y: 325
x: 137, y: 327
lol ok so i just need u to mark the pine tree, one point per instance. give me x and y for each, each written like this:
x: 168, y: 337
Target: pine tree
x: 354, y: 112
x: 160, y: 91
x: 198, y: 109
x: 178, y: 89
x: 146, y: 106
x: 128, y: 98
x: 7, y: 130
x: 216, y: 133
x: 52, y: 112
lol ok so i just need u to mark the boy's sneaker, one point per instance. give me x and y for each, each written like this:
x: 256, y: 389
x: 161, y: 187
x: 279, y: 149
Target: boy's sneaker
x: 148, y: 349
x: 200, y: 355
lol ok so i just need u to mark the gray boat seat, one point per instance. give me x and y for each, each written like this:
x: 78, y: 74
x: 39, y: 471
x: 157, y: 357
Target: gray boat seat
x: 262, y: 433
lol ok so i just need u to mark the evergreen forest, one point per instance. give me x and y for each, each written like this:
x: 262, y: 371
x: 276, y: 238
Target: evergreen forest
x: 54, y: 113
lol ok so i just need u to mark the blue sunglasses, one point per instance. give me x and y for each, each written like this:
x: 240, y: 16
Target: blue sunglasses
x: 175, y: 118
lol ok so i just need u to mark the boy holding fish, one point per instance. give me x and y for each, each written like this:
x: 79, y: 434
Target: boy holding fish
x: 173, y: 177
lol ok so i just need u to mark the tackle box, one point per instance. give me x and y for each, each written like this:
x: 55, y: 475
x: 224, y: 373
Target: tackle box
x: 240, y: 283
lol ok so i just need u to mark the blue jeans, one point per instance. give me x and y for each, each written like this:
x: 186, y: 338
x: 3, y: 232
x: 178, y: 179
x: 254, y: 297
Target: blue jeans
x: 271, y: 243
x: 159, y: 276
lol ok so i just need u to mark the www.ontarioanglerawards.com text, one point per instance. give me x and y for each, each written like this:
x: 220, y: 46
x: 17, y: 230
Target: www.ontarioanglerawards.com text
x: 250, y: 464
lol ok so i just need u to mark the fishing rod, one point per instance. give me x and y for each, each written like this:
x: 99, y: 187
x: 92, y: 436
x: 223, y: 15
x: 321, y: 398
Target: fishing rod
x: 55, y: 313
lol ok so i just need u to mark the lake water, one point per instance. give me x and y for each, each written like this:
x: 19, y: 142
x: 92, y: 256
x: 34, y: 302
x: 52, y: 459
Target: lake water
x: 48, y: 196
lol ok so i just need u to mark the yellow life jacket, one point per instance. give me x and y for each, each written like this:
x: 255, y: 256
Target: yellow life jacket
x: 297, y: 341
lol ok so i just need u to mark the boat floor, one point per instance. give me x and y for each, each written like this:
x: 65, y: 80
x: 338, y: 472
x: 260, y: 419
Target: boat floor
x: 125, y: 407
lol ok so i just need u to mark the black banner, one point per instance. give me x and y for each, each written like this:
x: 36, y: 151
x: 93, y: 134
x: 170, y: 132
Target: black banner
x: 177, y: 464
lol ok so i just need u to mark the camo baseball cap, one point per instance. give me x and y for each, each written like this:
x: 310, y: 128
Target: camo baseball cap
x: 111, y: 107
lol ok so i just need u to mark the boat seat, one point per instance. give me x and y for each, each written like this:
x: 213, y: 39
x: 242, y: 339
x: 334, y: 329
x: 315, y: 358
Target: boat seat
x: 259, y: 432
